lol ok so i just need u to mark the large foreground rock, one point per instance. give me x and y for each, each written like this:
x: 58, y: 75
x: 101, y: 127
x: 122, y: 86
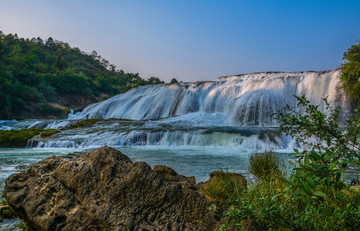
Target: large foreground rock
x: 104, y: 190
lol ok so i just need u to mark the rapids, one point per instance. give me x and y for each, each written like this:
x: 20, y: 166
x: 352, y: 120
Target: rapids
x: 246, y: 100
x: 232, y: 111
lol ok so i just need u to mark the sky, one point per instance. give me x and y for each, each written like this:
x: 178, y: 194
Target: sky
x: 193, y: 40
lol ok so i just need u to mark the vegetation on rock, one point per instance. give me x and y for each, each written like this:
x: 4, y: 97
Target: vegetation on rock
x: 49, y: 132
x: 36, y: 73
x: 5, y: 211
x: 105, y: 190
x: 83, y: 123
x: 17, y: 138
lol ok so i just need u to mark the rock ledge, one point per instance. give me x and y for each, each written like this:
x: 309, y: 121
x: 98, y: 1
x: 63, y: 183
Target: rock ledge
x: 105, y: 190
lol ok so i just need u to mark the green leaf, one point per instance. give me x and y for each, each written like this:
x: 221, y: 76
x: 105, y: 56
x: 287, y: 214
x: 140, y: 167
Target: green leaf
x: 307, y: 161
x: 310, y: 182
x: 306, y: 187
x: 319, y: 194
x: 333, y: 165
x: 350, y: 162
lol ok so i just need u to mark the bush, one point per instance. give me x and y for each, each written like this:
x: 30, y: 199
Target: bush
x: 174, y: 81
x: 277, y: 207
x: 265, y: 165
x: 315, y: 195
x: 223, y: 187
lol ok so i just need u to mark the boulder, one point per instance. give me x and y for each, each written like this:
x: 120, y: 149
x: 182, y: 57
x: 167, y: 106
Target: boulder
x: 105, y: 190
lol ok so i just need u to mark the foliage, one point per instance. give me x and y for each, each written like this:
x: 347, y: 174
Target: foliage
x: 333, y: 147
x: 21, y: 225
x: 223, y: 187
x: 351, y: 73
x: 35, y: 72
x: 83, y: 123
x: 49, y: 132
x: 264, y: 165
x: 5, y: 211
x: 314, y: 196
x: 173, y: 81
x: 17, y: 138
x: 275, y: 206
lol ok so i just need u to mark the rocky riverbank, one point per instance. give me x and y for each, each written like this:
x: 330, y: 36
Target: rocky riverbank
x: 105, y: 190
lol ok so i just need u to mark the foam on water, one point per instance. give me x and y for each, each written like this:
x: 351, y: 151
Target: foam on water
x: 246, y: 100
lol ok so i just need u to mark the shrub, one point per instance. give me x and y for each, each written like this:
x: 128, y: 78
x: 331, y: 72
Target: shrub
x: 277, y: 207
x: 223, y: 187
x: 264, y: 165
x: 314, y: 196
x: 174, y: 81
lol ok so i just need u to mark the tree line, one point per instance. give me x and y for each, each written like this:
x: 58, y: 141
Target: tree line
x: 35, y: 73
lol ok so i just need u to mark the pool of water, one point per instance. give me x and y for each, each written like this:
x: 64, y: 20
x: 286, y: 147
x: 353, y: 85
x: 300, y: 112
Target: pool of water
x: 189, y: 161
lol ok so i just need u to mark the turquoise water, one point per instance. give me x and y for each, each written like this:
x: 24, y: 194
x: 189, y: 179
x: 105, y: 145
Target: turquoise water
x: 189, y: 161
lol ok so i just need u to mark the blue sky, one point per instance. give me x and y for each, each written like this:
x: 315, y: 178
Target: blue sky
x: 195, y: 39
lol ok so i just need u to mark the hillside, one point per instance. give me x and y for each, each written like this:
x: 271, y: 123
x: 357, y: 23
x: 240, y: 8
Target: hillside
x: 43, y: 79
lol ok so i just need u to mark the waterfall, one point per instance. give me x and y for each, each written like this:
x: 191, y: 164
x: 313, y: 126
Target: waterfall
x: 232, y: 111
x: 245, y: 100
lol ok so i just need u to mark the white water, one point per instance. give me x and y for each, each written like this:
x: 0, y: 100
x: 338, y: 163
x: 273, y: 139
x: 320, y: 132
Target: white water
x: 247, y: 100
x: 195, y: 128
x: 233, y: 111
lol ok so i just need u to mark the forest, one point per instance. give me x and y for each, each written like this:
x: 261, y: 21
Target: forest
x: 43, y: 79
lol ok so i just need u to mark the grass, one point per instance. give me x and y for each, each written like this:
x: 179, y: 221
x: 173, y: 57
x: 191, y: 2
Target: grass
x: 264, y: 165
x: 223, y: 187
x: 275, y: 202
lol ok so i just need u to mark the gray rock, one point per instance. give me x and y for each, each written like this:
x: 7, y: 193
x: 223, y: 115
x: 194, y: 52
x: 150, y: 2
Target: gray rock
x: 105, y: 190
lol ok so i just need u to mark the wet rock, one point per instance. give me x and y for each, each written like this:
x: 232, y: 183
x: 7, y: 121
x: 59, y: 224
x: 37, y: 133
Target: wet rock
x: 172, y: 176
x: 105, y: 190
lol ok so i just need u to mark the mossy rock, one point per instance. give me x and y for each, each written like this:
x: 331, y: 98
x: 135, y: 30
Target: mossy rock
x: 17, y: 138
x: 49, y: 132
x: 6, y: 211
x: 83, y: 123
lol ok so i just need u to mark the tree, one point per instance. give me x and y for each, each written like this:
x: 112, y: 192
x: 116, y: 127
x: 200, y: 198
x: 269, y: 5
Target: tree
x: 351, y: 73
x: 174, y: 81
x: 154, y: 80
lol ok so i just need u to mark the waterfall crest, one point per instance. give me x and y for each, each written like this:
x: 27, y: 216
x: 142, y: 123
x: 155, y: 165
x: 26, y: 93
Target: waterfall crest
x: 246, y: 100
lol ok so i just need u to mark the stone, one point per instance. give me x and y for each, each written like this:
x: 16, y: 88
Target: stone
x: 105, y: 190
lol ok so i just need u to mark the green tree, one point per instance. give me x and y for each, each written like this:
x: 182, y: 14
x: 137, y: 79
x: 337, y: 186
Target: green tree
x: 351, y: 73
x: 34, y: 73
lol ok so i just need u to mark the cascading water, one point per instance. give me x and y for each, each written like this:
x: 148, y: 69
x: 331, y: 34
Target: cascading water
x: 230, y: 111
x: 245, y: 100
